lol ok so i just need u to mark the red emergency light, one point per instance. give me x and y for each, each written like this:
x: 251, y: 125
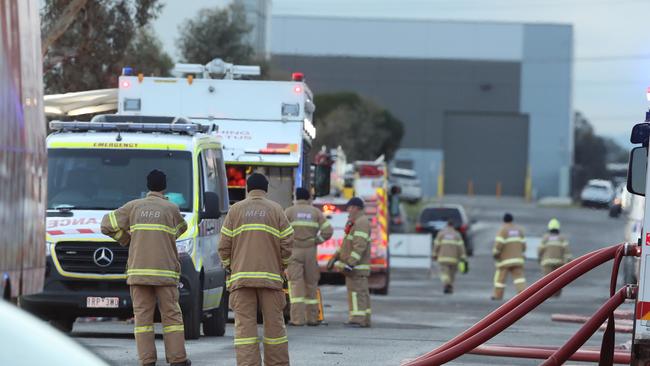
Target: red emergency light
x: 236, y: 177
x: 329, y: 208
x: 370, y: 171
x: 297, y: 76
x: 125, y: 84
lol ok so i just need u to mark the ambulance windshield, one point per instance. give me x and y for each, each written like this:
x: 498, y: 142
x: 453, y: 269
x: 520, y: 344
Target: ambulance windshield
x: 106, y: 179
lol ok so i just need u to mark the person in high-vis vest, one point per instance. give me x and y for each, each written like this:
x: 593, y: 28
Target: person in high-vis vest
x: 448, y: 251
x: 353, y: 259
x: 150, y: 227
x: 508, y: 252
x: 310, y: 229
x: 553, y: 251
x: 255, y: 248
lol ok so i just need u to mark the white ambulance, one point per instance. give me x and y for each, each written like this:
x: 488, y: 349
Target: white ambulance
x: 265, y: 126
x: 96, y: 167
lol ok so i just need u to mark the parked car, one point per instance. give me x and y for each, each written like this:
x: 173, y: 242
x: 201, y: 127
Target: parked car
x: 433, y: 218
x: 597, y: 193
x: 408, y: 182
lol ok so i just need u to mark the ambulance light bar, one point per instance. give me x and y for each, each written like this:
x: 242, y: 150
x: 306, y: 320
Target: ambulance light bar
x: 186, y: 128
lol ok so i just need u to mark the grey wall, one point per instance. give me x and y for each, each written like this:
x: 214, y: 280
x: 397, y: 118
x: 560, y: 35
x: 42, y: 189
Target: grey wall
x: 486, y: 149
x: 418, y: 92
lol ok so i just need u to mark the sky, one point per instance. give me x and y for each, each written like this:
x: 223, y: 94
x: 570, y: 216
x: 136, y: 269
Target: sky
x: 611, y: 41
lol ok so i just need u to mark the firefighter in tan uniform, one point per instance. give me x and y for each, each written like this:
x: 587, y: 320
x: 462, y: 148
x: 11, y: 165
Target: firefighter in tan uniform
x: 353, y: 259
x: 255, y: 246
x: 311, y: 228
x: 448, y: 251
x: 150, y: 227
x: 553, y: 252
x: 508, y: 252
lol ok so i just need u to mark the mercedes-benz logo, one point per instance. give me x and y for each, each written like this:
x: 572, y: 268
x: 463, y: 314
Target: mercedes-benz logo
x: 103, y: 257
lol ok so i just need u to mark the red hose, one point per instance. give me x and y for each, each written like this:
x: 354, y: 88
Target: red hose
x: 582, y: 355
x: 507, y: 306
x: 575, y: 270
x: 587, y: 330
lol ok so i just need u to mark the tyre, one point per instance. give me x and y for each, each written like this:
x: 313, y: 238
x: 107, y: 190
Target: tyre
x: 64, y: 325
x: 215, y: 324
x: 193, y: 315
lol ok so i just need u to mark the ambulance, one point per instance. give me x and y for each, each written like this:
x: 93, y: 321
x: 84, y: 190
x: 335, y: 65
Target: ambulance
x: 265, y: 126
x: 370, y: 184
x: 96, y: 167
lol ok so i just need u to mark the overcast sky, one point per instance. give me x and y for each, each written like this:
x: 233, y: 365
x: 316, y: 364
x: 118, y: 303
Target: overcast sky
x: 612, y: 41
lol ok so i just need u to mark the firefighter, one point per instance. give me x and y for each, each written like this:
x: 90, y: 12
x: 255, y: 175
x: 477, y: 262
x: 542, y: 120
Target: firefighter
x: 508, y: 252
x: 553, y: 252
x: 255, y: 248
x: 448, y: 251
x: 150, y: 227
x: 311, y: 228
x: 353, y: 259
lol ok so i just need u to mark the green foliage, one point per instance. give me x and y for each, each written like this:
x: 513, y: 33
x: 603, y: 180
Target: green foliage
x: 364, y: 130
x: 91, y: 52
x: 145, y: 54
x: 216, y: 33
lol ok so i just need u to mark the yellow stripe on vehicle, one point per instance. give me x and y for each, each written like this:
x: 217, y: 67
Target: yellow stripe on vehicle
x: 115, y: 145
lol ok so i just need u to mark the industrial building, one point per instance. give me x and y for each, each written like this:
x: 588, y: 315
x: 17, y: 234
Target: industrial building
x: 486, y: 106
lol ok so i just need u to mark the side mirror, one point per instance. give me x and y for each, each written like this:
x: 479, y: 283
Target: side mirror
x: 636, y: 171
x: 322, y: 180
x: 211, y: 206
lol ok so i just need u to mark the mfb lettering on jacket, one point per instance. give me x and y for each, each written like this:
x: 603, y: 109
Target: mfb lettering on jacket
x: 150, y: 214
x: 255, y: 213
x: 304, y: 216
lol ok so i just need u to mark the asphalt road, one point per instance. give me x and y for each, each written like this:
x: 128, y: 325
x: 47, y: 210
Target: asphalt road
x: 416, y: 317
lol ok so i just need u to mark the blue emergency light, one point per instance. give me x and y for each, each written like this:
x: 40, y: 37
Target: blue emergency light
x: 127, y: 71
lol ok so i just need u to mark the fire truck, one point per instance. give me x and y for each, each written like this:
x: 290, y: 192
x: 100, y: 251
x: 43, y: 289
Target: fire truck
x: 265, y: 126
x: 370, y: 184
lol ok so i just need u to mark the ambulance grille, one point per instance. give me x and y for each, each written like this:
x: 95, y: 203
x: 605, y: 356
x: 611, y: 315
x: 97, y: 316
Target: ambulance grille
x: 78, y: 257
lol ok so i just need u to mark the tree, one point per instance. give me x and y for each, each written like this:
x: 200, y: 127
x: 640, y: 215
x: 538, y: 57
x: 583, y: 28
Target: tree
x: 216, y: 33
x: 90, y: 52
x: 145, y: 54
x: 363, y: 129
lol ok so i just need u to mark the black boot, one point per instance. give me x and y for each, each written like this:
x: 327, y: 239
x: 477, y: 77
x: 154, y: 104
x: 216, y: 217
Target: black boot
x: 184, y: 363
x: 448, y: 289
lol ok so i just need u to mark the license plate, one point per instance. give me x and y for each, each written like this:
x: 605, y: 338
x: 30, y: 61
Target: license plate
x: 102, y: 302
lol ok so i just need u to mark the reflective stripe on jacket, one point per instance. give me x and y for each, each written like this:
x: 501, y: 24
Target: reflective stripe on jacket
x: 554, y: 250
x: 310, y: 226
x: 509, y: 246
x: 256, y: 243
x: 448, y: 246
x: 150, y: 226
x: 355, y: 249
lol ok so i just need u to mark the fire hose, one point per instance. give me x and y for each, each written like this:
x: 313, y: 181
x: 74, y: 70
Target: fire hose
x: 519, y: 306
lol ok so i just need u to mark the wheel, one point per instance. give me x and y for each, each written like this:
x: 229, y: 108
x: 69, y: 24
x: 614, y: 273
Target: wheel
x: 64, y: 325
x: 215, y: 325
x: 193, y: 315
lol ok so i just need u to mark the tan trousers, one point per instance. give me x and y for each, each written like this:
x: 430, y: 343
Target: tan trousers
x: 245, y: 303
x: 518, y: 278
x: 358, y: 299
x: 303, y: 274
x: 548, y: 269
x: 144, y: 305
x: 447, y: 273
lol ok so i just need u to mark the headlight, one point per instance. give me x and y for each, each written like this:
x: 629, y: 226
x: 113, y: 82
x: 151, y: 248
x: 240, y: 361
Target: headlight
x: 48, y: 248
x: 185, y: 246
